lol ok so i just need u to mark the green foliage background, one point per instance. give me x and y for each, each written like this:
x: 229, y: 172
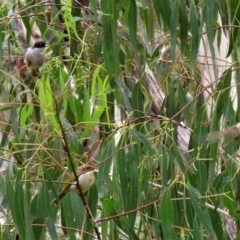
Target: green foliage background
x: 133, y: 99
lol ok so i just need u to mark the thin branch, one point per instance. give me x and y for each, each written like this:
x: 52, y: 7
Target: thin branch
x: 74, y: 171
x: 219, y: 210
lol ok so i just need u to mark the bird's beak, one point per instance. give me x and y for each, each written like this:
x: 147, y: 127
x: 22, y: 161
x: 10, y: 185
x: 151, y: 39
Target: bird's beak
x: 96, y: 170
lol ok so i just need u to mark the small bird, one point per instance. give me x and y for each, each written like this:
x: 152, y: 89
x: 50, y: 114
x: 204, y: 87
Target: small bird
x: 86, y: 179
x: 35, y: 55
x: 231, y: 131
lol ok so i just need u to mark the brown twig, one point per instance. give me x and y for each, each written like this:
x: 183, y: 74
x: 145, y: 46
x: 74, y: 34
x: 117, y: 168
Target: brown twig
x: 74, y: 172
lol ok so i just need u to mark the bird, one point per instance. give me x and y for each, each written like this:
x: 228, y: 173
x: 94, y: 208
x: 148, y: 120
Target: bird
x: 231, y: 131
x: 35, y: 55
x: 86, y: 179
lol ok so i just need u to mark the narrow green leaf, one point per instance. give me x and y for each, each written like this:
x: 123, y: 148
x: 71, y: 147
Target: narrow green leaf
x: 173, y: 27
x: 46, y: 102
x: 177, y: 208
x: 137, y: 101
x: 73, y: 211
x: 2, y: 34
x: 123, y: 224
x: 223, y: 11
x: 197, y: 230
x: 41, y: 21
x: 195, y: 34
x: 200, y: 146
x: 72, y: 138
x: 5, y: 135
x: 27, y: 215
x: 50, y: 222
x: 132, y: 25
x: 23, y: 115
x: 105, y: 228
x: 235, y: 19
x: 133, y: 196
x: 50, y: 176
x: 14, y: 120
x: 121, y: 169
x: 79, y: 110
x: 26, y: 21
x: 150, y: 20
x: 183, y: 103
x: 103, y: 180
x: 30, y: 151
x: 200, y: 210
x: 125, y: 94
x: 18, y: 207
x: 72, y: 107
x: 93, y: 199
x: 9, y: 188
x: 167, y: 216
x: 237, y: 72
x: 86, y: 104
x: 162, y: 9
x: 183, y: 20
x: 98, y: 48
x: 228, y: 200
x: 164, y: 165
x: 180, y: 158
x: 140, y: 138
x: 2, y: 186
x: 171, y: 103
x: 38, y: 213
x: 6, y: 234
x: 108, y: 207
x: 14, y: 149
x: 110, y: 39
x: 101, y: 102
x: 217, y: 224
x: 209, y: 13
x: 223, y: 89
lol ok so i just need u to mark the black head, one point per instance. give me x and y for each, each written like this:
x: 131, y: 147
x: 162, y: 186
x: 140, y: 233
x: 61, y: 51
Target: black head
x: 40, y: 44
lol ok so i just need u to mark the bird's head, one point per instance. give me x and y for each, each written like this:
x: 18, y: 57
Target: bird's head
x: 85, y: 168
x: 40, y: 44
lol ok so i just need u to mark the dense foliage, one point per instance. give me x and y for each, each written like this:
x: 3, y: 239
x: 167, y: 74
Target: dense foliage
x: 149, y: 91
